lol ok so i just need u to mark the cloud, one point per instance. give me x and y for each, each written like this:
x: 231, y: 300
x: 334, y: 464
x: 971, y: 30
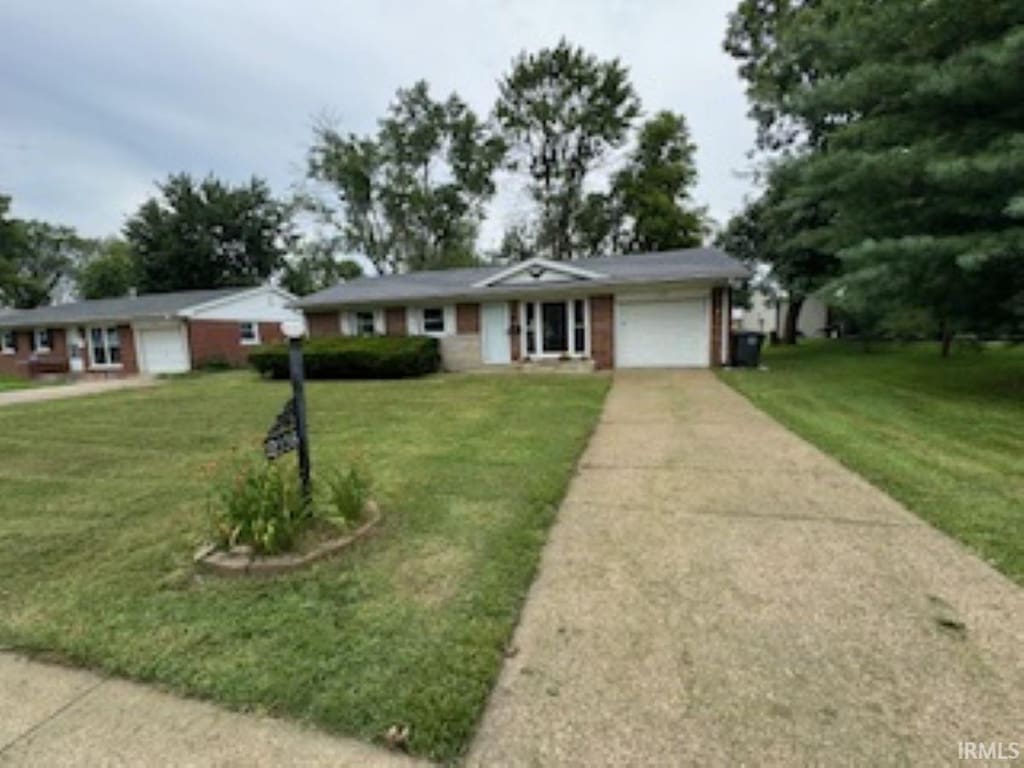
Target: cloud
x: 104, y: 97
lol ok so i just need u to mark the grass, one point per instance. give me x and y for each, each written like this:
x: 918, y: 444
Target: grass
x: 943, y: 436
x: 103, y: 504
x: 9, y: 383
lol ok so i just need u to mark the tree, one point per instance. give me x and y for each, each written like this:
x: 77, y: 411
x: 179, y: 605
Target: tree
x: 412, y: 196
x: 652, y: 191
x: 110, y: 271
x: 925, y: 163
x: 207, y: 234
x: 914, y: 122
x: 34, y: 257
x: 562, y: 112
x: 781, y: 229
x: 316, y: 270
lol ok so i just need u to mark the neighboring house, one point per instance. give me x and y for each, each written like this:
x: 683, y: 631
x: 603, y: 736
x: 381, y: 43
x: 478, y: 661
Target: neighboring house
x: 152, y: 333
x: 767, y: 314
x: 651, y: 309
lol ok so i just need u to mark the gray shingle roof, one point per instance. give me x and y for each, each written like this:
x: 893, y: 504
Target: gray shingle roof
x: 150, y: 305
x: 640, y: 268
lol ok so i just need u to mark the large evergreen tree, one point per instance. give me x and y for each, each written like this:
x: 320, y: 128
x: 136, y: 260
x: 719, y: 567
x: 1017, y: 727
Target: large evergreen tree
x: 917, y: 121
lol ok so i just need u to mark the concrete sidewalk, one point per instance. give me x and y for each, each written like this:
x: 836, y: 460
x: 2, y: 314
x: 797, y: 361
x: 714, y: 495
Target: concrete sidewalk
x: 78, y: 389
x: 53, y: 716
x: 716, y: 591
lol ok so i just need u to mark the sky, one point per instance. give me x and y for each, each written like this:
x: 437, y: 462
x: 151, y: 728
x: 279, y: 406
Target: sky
x: 99, y: 99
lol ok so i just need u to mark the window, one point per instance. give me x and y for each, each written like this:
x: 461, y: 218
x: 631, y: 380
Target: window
x: 249, y: 333
x: 364, y: 324
x: 433, y: 320
x: 8, y: 343
x: 105, y: 347
x: 531, y: 341
x: 579, y: 327
x: 41, y: 340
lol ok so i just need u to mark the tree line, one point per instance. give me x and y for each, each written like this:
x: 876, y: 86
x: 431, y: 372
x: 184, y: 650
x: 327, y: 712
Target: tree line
x: 891, y: 150
x: 565, y: 125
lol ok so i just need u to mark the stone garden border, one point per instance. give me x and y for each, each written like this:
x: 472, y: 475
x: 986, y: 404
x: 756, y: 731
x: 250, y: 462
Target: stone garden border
x: 240, y: 561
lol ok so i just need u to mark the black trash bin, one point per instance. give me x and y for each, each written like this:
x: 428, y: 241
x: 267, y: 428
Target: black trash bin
x: 746, y: 348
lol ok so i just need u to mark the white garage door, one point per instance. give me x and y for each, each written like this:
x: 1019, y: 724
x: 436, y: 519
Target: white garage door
x: 163, y: 350
x: 661, y: 333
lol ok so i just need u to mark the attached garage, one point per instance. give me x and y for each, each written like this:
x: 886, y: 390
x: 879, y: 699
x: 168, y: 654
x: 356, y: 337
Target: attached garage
x: 655, y: 333
x: 163, y: 349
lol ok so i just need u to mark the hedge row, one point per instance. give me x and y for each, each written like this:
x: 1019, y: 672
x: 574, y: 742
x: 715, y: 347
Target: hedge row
x: 369, y: 357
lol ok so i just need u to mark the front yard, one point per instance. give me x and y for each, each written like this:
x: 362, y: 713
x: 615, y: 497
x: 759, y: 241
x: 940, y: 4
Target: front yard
x: 9, y: 383
x: 944, y: 437
x: 103, y: 501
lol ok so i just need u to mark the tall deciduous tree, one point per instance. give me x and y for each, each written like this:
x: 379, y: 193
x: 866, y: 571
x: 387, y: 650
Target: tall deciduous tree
x: 412, y: 196
x: 34, y: 257
x: 317, y: 269
x: 562, y: 112
x: 208, y: 234
x: 652, y: 192
x: 109, y: 271
x: 782, y: 229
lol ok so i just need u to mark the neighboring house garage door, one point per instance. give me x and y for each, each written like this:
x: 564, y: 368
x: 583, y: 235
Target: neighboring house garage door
x: 661, y: 333
x: 163, y: 350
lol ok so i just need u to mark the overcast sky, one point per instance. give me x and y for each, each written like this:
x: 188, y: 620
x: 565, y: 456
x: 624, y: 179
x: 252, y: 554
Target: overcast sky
x: 100, y: 98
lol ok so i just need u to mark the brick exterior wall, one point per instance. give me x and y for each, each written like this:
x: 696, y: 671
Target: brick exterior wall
x: 220, y: 340
x: 715, y: 342
x: 394, y: 321
x: 514, y: 331
x: 467, y: 318
x: 323, y: 324
x: 24, y: 364
x: 602, y: 331
x: 129, y: 364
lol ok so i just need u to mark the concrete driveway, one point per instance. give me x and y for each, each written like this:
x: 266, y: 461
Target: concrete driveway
x: 718, y: 592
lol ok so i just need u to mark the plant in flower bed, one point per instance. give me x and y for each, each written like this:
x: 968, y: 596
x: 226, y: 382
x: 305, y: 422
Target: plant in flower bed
x: 371, y: 357
x: 260, y: 504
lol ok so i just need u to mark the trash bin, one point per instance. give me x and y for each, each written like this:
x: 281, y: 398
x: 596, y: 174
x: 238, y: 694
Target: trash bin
x: 746, y: 349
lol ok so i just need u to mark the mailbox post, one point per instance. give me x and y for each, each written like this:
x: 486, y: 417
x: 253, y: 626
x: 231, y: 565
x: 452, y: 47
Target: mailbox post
x: 294, y: 330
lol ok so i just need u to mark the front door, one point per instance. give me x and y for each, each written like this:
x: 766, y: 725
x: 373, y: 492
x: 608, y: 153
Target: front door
x: 554, y: 327
x: 76, y: 351
x: 494, y: 333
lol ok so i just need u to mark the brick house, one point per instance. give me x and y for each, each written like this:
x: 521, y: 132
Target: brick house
x: 151, y: 333
x: 666, y: 309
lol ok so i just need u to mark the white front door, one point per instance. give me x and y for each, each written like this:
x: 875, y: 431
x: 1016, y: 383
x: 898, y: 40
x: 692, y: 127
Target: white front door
x: 494, y: 333
x: 76, y: 351
x: 661, y: 333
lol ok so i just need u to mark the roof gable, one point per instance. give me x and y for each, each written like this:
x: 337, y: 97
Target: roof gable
x: 538, y: 270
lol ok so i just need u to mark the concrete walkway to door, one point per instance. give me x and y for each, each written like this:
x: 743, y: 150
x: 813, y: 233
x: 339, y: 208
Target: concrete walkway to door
x: 718, y: 592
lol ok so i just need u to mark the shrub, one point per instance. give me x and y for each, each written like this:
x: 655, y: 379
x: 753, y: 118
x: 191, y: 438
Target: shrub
x: 346, y: 494
x: 259, y: 503
x: 371, y: 357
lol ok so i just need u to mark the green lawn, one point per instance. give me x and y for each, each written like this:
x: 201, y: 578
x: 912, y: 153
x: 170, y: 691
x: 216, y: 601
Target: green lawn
x: 103, y: 504
x: 8, y: 383
x: 945, y: 437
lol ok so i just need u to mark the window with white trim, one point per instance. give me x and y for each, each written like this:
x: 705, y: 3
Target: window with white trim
x: 8, y: 343
x: 249, y: 333
x: 365, y: 325
x: 41, y: 340
x: 105, y: 347
x: 433, y: 320
x: 579, y: 314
